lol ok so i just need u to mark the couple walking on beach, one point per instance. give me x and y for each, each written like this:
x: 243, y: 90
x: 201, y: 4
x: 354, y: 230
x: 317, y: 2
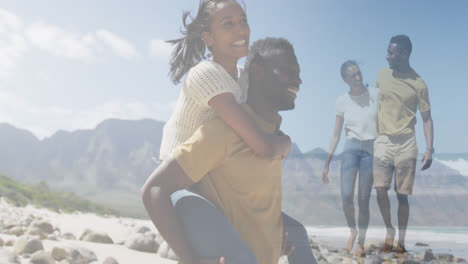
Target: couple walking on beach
x: 216, y: 197
x: 380, y: 142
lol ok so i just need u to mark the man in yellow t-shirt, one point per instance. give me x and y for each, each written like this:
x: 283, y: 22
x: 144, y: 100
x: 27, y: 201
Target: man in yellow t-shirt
x: 402, y: 92
x: 236, y: 211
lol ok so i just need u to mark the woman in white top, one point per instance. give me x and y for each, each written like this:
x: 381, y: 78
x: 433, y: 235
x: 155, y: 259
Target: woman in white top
x: 215, y: 87
x: 357, y: 111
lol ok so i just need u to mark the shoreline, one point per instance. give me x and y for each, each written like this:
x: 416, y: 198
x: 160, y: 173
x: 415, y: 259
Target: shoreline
x: 455, y: 243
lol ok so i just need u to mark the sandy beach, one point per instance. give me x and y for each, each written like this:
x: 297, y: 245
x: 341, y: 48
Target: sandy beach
x: 69, y: 228
x: 118, y: 229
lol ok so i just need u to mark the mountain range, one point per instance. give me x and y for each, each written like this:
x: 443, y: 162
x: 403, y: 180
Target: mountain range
x: 110, y: 163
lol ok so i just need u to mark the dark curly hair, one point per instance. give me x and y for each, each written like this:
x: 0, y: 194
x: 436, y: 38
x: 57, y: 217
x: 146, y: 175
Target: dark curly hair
x: 403, y: 42
x: 265, y: 47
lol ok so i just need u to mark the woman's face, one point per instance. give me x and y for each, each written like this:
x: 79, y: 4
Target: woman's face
x: 353, y: 76
x: 229, y: 34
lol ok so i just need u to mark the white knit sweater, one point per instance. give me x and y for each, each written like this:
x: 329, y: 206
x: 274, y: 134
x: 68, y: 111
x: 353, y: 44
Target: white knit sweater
x: 204, y: 81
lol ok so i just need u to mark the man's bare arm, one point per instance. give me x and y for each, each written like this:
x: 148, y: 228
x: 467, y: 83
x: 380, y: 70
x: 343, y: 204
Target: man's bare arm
x: 429, y: 135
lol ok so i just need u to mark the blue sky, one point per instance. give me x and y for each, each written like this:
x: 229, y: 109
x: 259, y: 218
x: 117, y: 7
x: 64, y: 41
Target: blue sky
x: 71, y: 64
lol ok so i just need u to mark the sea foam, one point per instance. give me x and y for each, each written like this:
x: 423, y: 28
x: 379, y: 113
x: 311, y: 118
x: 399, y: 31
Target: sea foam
x: 460, y: 165
x: 452, y: 240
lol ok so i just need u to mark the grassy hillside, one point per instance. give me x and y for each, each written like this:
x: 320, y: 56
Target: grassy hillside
x: 41, y: 195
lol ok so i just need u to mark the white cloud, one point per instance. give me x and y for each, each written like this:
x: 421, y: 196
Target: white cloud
x: 12, y: 49
x: 120, y: 46
x: 12, y: 44
x: 45, y: 76
x: 17, y: 38
x: 59, y: 42
x: 43, y: 121
x: 160, y: 49
x: 9, y: 20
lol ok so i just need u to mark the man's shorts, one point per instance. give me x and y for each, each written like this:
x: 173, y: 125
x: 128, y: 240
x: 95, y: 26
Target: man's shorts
x: 395, y: 155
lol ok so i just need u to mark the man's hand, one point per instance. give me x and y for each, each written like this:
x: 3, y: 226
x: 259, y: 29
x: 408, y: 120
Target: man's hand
x: 215, y: 261
x: 205, y: 261
x: 285, y: 248
x: 325, y: 175
x: 426, y: 160
x: 428, y: 126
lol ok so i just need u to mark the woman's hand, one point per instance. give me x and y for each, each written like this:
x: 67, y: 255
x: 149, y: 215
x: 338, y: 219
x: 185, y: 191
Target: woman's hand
x: 286, y: 249
x: 325, y: 175
x: 284, y: 144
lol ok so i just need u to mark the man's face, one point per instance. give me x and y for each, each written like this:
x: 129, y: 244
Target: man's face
x: 395, y: 56
x: 281, y: 80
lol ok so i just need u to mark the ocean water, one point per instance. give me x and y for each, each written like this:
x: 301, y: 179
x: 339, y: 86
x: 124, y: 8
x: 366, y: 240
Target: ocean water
x: 451, y: 156
x: 457, y: 161
x: 453, y: 240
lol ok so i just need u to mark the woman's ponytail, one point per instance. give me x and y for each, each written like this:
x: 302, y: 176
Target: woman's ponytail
x: 190, y: 49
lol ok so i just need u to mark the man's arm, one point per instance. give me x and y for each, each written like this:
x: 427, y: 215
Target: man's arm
x: 429, y: 135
